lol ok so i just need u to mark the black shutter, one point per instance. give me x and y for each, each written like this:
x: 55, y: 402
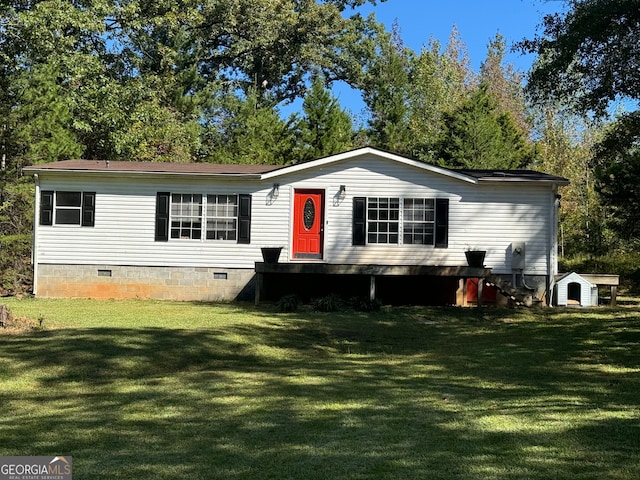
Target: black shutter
x: 359, y: 233
x: 46, y: 207
x: 162, y: 216
x: 244, y: 218
x: 88, y: 209
x: 442, y: 222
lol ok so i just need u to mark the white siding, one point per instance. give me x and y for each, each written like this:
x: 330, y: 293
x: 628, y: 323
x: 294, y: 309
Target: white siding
x: 481, y: 216
x: 487, y: 217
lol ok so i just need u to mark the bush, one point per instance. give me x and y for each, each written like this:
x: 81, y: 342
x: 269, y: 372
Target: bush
x: 15, y: 265
x: 625, y: 264
x: 330, y: 303
x: 363, y: 304
x: 288, y: 303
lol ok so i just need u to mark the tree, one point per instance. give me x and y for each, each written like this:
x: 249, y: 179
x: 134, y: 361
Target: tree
x: 250, y: 130
x: 386, y: 93
x: 588, y: 58
x: 478, y: 135
x: 565, y: 148
x: 325, y: 128
x: 43, y: 120
x: 119, y: 62
x: 439, y: 82
x: 617, y: 169
x: 505, y: 83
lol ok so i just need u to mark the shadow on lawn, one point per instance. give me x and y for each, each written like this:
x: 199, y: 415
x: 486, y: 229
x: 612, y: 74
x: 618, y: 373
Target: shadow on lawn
x: 416, y: 394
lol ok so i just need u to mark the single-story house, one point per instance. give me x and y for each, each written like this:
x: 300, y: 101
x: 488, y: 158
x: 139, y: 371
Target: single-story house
x: 364, y: 222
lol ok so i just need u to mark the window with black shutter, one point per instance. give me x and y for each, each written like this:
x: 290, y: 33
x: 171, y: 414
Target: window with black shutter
x: 46, y: 207
x: 424, y: 221
x: 162, y: 216
x: 67, y: 208
x: 195, y: 216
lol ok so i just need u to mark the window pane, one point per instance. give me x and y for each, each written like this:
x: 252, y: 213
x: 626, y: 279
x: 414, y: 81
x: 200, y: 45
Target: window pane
x: 418, y: 221
x: 222, y: 217
x: 383, y: 219
x: 68, y: 199
x: 68, y: 216
x: 186, y: 216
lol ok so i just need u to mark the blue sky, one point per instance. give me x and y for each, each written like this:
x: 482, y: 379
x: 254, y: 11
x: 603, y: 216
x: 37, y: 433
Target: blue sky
x: 477, y: 22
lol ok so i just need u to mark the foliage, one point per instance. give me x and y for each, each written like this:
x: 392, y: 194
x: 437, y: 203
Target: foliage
x: 139, y: 80
x: 439, y: 82
x: 324, y: 129
x: 250, y: 130
x: 288, y: 303
x: 625, y: 263
x: 15, y: 267
x: 505, y: 84
x: 478, y: 135
x: 565, y: 148
x: 329, y: 303
x: 386, y: 93
x: 617, y: 169
x: 43, y: 117
x: 16, y: 213
x: 588, y: 56
x: 587, y: 59
x: 364, y: 304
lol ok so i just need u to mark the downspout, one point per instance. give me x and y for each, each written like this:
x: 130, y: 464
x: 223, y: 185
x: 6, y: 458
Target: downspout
x: 34, y: 245
x: 553, y: 241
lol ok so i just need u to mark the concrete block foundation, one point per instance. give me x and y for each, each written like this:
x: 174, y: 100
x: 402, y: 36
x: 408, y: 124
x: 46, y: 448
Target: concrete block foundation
x: 159, y: 283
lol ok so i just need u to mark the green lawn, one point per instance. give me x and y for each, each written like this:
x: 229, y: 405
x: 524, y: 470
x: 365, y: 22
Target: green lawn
x: 159, y: 390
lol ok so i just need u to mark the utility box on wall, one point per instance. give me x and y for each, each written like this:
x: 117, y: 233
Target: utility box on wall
x: 518, y: 256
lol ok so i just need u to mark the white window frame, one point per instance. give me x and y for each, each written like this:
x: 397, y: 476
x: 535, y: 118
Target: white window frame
x: 381, y: 213
x: 204, y: 216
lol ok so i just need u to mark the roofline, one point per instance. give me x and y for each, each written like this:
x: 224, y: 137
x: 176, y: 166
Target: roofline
x: 367, y: 151
x: 550, y: 181
x: 279, y: 171
x: 36, y: 170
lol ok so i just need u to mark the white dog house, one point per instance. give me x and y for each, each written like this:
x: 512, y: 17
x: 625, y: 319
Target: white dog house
x: 574, y: 290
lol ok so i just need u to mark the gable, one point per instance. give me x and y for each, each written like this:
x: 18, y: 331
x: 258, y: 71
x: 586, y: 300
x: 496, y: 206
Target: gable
x: 573, y: 277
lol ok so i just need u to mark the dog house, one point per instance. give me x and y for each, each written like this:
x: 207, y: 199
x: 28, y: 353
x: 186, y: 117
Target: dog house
x: 574, y: 290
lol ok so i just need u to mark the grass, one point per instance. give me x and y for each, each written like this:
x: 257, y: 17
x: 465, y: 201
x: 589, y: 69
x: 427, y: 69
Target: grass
x: 161, y: 390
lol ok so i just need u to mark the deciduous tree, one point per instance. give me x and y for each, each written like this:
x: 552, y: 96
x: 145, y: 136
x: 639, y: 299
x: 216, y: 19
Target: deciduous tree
x: 588, y: 59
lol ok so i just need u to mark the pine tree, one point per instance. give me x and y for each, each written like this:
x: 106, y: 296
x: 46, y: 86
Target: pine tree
x: 386, y: 94
x: 477, y: 135
x: 325, y: 128
x: 439, y: 82
x: 250, y: 130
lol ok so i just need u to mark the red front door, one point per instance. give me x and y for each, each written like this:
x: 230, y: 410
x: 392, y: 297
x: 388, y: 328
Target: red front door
x: 308, y: 223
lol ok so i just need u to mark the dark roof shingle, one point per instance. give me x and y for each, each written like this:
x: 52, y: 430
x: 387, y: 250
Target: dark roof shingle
x: 155, y: 167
